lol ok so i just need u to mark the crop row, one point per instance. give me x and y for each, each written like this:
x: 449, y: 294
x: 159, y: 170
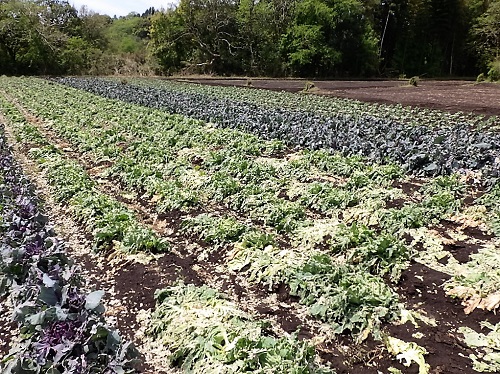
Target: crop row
x: 207, y: 333
x: 421, y: 149
x: 283, y: 215
x: 156, y: 153
x: 319, y: 254
x: 113, y: 227
x: 72, y: 320
x: 62, y: 328
x: 183, y: 163
x: 320, y: 104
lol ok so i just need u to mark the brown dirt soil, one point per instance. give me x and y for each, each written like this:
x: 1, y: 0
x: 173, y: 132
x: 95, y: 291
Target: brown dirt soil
x: 134, y: 284
x: 451, y: 96
x: 421, y: 287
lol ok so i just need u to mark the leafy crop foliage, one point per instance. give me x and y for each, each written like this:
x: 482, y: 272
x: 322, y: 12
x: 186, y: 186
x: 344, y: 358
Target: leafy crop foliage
x: 215, y: 230
x: 206, y: 332
x: 319, y: 227
x: 420, y: 149
x: 155, y: 154
x: 491, y: 201
x: 347, y: 296
x: 109, y: 222
x: 377, y: 253
x: 479, y: 277
x: 149, y: 155
x: 62, y: 329
x: 351, y: 299
x: 320, y: 104
x: 326, y: 228
x: 489, y: 359
x: 323, y: 197
x: 441, y: 196
x: 107, y: 219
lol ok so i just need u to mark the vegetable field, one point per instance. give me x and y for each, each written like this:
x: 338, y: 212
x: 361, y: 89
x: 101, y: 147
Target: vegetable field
x: 227, y: 230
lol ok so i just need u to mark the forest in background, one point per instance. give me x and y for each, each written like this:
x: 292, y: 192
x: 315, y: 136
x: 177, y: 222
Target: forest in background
x: 275, y: 38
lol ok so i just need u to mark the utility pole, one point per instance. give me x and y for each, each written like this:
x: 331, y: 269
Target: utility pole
x: 383, y: 34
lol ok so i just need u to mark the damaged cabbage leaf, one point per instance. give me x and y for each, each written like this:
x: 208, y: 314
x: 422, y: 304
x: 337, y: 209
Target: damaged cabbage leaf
x: 487, y: 359
x: 407, y: 353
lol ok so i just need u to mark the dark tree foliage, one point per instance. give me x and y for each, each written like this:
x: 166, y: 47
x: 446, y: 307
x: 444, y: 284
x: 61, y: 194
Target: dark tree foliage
x: 309, y: 38
x: 328, y: 38
x: 432, y: 38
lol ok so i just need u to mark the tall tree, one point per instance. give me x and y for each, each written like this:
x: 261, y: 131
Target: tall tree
x: 486, y: 35
x: 33, y: 33
x: 258, y: 29
x: 432, y: 38
x: 212, y: 26
x: 170, y: 42
x: 330, y: 38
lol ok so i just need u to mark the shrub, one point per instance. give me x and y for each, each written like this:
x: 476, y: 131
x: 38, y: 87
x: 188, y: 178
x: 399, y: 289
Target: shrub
x: 308, y: 86
x: 494, y: 72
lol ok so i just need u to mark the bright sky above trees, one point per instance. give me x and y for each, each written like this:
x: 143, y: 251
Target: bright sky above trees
x: 120, y: 7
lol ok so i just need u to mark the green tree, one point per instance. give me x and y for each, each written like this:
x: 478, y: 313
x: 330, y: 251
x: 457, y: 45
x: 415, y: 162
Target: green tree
x: 93, y: 27
x: 212, y: 26
x: 258, y: 32
x: 431, y: 37
x: 78, y: 56
x: 486, y: 35
x: 33, y: 35
x: 330, y: 38
x: 128, y: 34
x: 169, y: 41
x: 207, y: 28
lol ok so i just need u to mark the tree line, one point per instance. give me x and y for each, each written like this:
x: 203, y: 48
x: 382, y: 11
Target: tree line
x: 52, y: 37
x: 307, y: 38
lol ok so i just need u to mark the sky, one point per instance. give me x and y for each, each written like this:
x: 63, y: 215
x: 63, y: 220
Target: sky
x: 120, y: 7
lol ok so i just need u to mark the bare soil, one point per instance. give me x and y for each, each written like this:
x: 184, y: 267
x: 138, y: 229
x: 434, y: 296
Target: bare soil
x: 451, y: 96
x: 421, y: 287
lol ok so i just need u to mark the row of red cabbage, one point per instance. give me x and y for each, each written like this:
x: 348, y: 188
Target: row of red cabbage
x: 62, y: 328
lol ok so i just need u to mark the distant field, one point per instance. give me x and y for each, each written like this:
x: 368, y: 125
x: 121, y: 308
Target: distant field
x: 452, y: 96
